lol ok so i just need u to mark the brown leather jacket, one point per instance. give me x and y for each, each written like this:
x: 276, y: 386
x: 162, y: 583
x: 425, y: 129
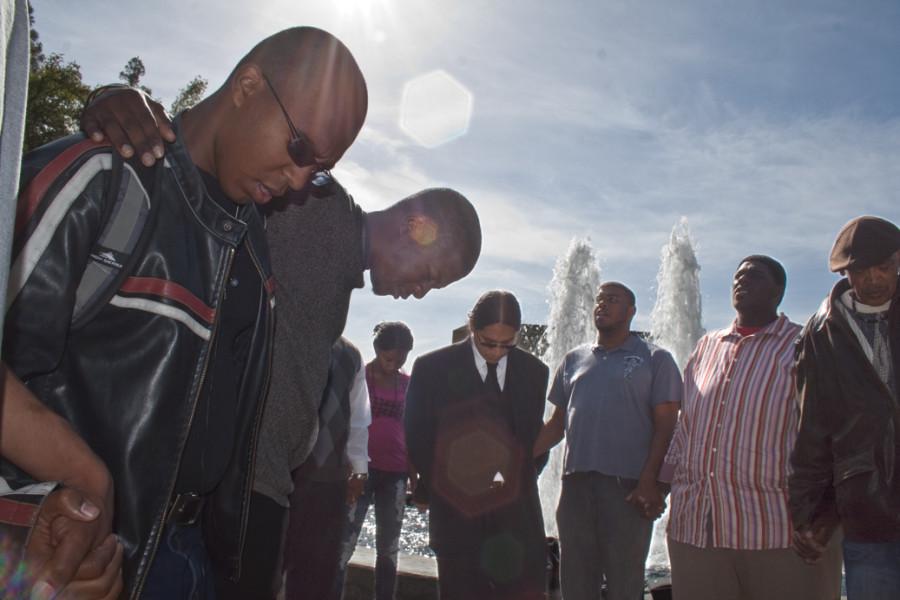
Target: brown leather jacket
x: 845, y: 459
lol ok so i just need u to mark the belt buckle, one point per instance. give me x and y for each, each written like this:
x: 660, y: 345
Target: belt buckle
x: 185, y: 509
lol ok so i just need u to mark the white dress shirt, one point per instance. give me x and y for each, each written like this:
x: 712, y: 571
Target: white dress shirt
x: 482, y: 367
x: 360, y: 419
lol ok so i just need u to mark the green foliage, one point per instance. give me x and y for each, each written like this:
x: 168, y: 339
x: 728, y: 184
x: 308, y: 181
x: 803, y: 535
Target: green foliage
x: 37, y: 49
x: 55, y: 97
x: 132, y: 73
x: 56, y: 92
x: 189, y: 95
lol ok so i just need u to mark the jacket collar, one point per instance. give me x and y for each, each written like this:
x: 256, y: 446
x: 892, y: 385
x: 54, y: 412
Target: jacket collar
x: 776, y: 328
x: 631, y: 344
x: 228, y: 228
x: 828, y: 309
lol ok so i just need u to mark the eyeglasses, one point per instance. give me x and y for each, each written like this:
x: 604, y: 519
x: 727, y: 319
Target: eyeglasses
x: 299, y: 148
x: 608, y: 299
x: 492, y: 344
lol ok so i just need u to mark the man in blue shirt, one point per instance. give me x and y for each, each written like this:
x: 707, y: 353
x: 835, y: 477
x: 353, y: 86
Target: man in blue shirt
x: 617, y: 403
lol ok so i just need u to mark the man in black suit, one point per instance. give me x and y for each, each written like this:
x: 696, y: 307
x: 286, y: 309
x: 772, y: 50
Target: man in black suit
x: 473, y: 412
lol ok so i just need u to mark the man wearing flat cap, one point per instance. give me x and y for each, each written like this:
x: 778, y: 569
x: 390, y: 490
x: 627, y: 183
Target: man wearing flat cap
x: 846, y: 462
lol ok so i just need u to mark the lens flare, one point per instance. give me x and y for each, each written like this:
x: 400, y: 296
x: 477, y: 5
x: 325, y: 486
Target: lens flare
x: 436, y: 109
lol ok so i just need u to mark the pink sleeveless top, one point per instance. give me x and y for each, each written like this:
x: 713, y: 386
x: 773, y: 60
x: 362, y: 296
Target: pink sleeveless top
x: 387, y: 443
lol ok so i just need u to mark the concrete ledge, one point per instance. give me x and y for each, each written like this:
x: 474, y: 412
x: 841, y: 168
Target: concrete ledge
x: 416, y: 577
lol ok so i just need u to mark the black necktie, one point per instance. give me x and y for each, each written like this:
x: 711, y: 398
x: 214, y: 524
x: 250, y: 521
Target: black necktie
x: 491, y: 381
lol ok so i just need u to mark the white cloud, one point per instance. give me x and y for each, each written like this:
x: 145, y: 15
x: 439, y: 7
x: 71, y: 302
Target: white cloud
x: 767, y: 124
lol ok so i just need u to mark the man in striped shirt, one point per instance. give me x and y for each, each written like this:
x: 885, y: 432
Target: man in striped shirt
x: 729, y: 532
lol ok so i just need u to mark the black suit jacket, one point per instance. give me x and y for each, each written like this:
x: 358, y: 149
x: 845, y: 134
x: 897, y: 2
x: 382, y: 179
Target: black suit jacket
x: 443, y: 382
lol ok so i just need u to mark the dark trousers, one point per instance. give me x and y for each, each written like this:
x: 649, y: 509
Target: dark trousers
x: 261, y: 558
x: 600, y: 534
x: 387, y: 491
x: 315, y: 534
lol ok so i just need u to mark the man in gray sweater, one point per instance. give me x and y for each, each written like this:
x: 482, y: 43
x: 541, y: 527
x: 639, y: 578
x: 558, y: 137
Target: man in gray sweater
x: 320, y: 250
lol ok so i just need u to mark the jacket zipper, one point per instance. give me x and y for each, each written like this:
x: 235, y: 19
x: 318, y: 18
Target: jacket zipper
x: 844, y: 328
x: 260, y: 408
x: 151, y: 551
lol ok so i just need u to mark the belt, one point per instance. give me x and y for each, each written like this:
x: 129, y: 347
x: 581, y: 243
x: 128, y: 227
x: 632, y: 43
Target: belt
x: 185, y: 509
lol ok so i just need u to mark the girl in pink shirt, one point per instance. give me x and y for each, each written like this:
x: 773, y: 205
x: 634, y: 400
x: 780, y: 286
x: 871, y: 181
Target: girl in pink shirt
x: 388, y: 465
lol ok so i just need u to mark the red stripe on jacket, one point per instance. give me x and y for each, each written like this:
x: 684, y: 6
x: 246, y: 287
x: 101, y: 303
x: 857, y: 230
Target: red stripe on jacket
x: 270, y: 286
x: 31, y: 197
x: 172, y: 291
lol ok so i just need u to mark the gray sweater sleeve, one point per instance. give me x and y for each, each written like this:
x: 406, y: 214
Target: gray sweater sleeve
x: 317, y: 259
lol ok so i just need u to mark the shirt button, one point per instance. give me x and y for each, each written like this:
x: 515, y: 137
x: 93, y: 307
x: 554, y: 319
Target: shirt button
x: 711, y: 474
x: 713, y: 449
x: 227, y: 226
x: 233, y: 282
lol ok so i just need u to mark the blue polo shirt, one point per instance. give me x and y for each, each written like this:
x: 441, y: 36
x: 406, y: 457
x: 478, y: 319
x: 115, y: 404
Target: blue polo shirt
x: 608, y: 396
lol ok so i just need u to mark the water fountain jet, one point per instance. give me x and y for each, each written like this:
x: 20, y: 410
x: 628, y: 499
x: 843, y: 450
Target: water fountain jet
x: 675, y: 324
x: 573, y: 288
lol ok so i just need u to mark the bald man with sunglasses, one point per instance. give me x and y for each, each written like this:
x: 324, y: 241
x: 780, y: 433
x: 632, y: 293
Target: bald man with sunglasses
x: 165, y: 376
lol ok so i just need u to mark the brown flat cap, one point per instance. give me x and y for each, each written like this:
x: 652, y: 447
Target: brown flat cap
x: 864, y: 242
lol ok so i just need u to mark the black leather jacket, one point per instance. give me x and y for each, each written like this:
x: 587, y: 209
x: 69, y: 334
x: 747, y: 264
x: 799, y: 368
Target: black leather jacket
x: 128, y: 379
x: 844, y: 462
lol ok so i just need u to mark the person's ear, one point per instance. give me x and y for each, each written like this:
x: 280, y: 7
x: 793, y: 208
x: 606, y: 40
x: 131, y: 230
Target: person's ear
x: 632, y: 310
x: 421, y: 229
x: 246, y: 82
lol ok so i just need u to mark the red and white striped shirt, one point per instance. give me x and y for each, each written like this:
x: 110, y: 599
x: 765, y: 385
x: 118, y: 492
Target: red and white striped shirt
x: 732, y: 446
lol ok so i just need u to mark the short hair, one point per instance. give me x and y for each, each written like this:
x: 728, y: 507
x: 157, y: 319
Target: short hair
x: 458, y: 225
x: 774, y: 267
x: 305, y: 55
x: 392, y: 335
x: 621, y: 286
x: 493, y: 307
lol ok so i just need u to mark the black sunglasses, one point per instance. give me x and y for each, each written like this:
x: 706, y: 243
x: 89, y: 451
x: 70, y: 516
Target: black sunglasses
x: 490, y: 344
x: 299, y: 148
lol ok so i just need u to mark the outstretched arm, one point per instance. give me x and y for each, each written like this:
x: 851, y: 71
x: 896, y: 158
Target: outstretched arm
x: 358, y: 439
x: 551, y: 433
x: 810, y: 485
x: 44, y: 445
x: 134, y: 123
x: 647, y: 497
x: 665, y: 398
x: 74, y: 520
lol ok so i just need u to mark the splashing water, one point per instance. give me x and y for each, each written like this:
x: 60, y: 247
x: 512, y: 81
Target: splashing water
x: 572, y: 291
x: 675, y: 319
x: 675, y: 326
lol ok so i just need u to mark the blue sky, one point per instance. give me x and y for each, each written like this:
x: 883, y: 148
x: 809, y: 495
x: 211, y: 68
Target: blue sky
x: 767, y: 124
